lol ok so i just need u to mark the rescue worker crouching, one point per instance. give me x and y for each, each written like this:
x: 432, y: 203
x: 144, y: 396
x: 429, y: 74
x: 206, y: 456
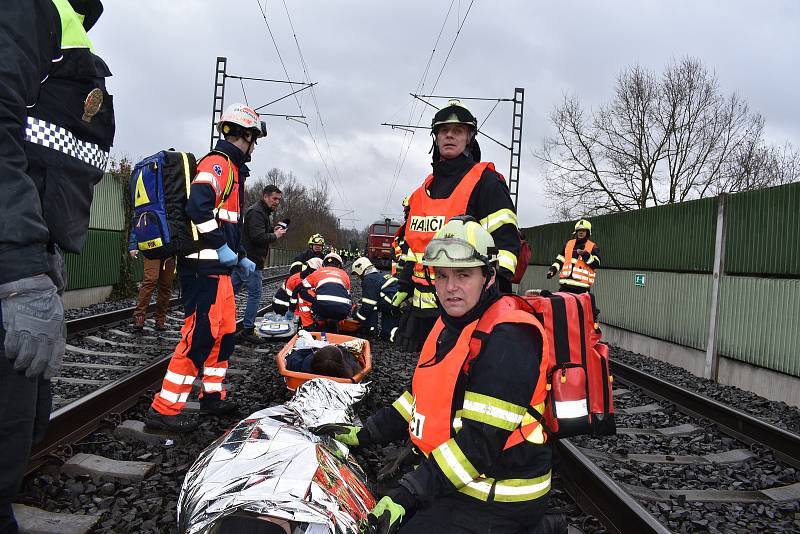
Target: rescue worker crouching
x: 207, y: 335
x: 284, y: 302
x: 327, y: 292
x: 297, y: 302
x: 578, y: 261
x: 315, y: 245
x: 377, y: 291
x: 459, y: 185
x: 487, y: 462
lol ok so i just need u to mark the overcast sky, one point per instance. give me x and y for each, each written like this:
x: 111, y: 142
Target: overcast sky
x: 367, y: 56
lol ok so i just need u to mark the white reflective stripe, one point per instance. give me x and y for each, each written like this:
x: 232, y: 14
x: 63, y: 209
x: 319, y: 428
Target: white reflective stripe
x: 403, y: 402
x: 360, y: 317
x: 333, y: 298
x: 214, y: 371
x: 49, y: 135
x: 483, y: 487
x: 280, y: 302
x: 492, y: 411
x: 225, y: 215
x: 172, y: 397
x: 205, y: 254
x: 368, y: 301
x: 304, y: 309
x: 498, y: 220
x: 205, y: 177
x: 389, y: 282
x: 386, y: 297
x: 208, y: 226
x: 177, y: 379
x: 570, y: 409
x: 505, y: 489
x: 455, y: 465
x: 457, y: 423
x: 211, y: 387
x: 330, y: 280
x: 507, y: 259
x: 293, y: 301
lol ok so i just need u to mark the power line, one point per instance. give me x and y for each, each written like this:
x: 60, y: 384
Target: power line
x: 316, y: 103
x: 409, y: 136
x: 297, y: 100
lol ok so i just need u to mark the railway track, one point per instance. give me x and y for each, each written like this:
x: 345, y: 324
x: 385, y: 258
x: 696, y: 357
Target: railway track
x: 121, y: 385
x: 683, y: 462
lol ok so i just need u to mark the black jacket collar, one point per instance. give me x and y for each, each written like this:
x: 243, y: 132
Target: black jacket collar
x: 234, y: 152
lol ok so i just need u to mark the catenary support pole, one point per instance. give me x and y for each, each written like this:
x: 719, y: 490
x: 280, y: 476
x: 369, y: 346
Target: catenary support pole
x: 219, y: 97
x: 516, y: 144
x: 712, y: 358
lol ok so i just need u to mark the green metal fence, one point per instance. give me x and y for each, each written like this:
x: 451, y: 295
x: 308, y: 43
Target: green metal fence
x: 673, y: 247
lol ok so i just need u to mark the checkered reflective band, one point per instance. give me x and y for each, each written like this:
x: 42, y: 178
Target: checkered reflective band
x: 53, y: 136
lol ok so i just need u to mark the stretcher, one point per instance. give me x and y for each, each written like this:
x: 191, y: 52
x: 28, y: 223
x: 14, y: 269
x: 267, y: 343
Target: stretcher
x: 295, y: 379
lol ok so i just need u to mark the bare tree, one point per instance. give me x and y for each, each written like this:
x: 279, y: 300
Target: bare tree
x: 658, y: 141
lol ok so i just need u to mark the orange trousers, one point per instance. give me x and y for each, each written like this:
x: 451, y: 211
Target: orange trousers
x: 207, y: 342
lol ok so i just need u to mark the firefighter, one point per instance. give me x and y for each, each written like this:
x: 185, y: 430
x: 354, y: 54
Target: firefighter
x: 207, y: 336
x: 284, y: 303
x: 56, y: 129
x: 333, y: 259
x: 577, y: 275
x: 377, y: 292
x: 473, y: 404
x: 315, y: 245
x: 327, y: 292
x: 302, y: 306
x: 458, y: 185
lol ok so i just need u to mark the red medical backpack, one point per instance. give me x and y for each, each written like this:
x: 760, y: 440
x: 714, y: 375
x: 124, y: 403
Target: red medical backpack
x: 579, y: 400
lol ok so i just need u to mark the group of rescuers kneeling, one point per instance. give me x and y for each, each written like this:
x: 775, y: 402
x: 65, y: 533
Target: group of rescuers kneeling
x: 484, y: 459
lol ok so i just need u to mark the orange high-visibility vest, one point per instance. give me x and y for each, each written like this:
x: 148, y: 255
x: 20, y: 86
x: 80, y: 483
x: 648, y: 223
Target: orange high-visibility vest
x: 575, y: 271
x: 434, y: 384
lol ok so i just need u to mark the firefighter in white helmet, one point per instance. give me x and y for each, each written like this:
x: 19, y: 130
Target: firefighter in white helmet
x: 377, y: 291
x: 471, y: 410
x: 215, y: 206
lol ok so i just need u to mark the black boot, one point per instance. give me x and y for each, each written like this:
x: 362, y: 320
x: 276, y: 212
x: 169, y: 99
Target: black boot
x: 216, y: 406
x: 172, y: 423
x: 248, y: 335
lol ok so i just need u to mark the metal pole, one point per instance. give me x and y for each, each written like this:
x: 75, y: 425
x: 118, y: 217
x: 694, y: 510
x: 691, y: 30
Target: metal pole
x: 219, y: 97
x: 711, y: 370
x: 516, y: 144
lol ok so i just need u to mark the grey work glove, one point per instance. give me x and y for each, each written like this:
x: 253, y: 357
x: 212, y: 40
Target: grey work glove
x: 33, y: 318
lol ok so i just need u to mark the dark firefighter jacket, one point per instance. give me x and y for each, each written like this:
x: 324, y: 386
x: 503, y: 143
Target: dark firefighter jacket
x: 56, y: 129
x: 258, y: 233
x: 308, y: 254
x: 489, y: 203
x: 377, y: 292
x: 204, y: 197
x: 505, y: 372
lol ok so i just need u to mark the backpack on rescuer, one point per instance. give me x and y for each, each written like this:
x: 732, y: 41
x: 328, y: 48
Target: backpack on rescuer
x: 579, y: 400
x: 159, y: 190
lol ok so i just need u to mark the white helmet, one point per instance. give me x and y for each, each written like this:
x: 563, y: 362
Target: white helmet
x: 360, y: 266
x: 243, y: 116
x: 333, y: 256
x: 314, y: 263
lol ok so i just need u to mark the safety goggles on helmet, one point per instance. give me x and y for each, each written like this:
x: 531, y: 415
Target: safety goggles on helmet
x: 454, y: 252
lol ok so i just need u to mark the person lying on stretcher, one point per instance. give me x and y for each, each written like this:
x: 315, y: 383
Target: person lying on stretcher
x: 330, y: 360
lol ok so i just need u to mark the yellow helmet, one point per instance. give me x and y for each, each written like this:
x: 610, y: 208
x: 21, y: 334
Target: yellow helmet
x: 462, y: 242
x: 583, y: 224
x: 316, y: 239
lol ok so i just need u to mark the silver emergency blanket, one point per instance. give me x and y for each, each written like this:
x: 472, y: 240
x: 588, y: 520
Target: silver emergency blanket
x: 271, y: 466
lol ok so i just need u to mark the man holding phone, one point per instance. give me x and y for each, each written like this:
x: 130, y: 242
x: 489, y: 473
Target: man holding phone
x: 259, y: 234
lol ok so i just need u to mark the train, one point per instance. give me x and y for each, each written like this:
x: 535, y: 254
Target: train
x: 379, y: 243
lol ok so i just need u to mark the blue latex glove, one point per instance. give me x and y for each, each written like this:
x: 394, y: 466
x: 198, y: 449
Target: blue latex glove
x: 227, y: 257
x: 247, y: 267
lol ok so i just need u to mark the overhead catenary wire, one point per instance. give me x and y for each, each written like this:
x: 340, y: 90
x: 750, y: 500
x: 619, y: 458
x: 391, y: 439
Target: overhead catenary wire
x: 299, y: 105
x: 436, y: 83
x: 408, y: 135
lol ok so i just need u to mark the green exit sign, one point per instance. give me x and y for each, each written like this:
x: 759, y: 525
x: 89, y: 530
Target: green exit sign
x: 638, y: 280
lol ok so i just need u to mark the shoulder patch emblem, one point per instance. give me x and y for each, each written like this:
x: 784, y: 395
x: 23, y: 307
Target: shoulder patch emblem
x: 217, y: 170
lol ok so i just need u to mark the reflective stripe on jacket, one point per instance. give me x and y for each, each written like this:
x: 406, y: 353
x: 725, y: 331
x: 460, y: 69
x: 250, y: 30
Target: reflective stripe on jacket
x: 575, y: 271
x: 435, y: 411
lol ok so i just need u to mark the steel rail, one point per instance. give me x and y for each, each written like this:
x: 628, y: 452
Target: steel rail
x: 739, y: 424
x: 598, y: 494
x: 78, y: 419
x: 92, y: 323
